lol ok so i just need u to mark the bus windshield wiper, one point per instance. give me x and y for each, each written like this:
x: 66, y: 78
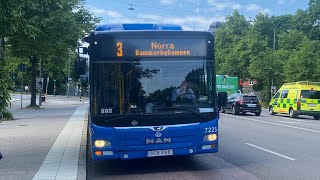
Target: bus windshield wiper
x: 181, y: 108
x: 119, y: 118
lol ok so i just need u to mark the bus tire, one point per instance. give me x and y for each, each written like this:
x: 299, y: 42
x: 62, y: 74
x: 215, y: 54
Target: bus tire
x: 316, y: 117
x: 271, y: 112
x: 292, y: 114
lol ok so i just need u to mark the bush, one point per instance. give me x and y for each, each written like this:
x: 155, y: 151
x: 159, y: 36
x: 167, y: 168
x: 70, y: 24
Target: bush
x: 7, y: 115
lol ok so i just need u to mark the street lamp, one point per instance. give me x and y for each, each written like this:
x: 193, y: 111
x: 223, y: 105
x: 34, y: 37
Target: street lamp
x: 273, y: 50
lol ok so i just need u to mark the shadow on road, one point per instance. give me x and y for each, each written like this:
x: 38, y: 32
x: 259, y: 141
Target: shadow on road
x: 151, y: 165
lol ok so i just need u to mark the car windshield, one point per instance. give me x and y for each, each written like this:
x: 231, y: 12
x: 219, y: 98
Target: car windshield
x: 151, y: 87
x: 250, y: 98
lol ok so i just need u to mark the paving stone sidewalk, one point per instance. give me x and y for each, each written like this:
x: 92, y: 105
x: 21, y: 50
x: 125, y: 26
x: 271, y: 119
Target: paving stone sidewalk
x: 27, y: 141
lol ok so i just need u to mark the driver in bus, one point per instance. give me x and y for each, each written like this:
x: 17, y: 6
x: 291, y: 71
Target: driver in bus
x: 184, y: 92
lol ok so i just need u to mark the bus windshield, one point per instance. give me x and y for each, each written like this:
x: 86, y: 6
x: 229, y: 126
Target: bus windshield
x: 153, y: 87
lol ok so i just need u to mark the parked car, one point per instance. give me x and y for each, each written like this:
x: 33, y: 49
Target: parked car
x: 243, y: 103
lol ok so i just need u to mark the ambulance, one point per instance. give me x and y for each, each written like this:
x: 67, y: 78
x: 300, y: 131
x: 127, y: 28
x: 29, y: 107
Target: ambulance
x: 297, y: 98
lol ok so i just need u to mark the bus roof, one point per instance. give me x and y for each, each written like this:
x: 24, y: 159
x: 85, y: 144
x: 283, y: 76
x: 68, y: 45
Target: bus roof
x: 121, y: 27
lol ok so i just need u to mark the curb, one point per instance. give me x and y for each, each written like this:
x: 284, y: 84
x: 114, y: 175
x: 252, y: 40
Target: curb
x: 82, y: 164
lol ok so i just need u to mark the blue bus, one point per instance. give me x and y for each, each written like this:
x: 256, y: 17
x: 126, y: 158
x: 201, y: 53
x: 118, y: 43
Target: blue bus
x: 152, y: 92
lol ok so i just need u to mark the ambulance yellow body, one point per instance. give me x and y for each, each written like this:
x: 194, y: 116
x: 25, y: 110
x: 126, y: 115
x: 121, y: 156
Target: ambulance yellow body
x: 298, y: 98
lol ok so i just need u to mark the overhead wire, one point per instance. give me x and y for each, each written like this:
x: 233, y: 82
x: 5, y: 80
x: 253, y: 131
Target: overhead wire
x: 167, y: 9
x: 176, y: 11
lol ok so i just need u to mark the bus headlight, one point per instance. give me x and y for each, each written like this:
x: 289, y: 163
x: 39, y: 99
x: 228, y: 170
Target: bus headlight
x: 210, y: 137
x: 101, y: 143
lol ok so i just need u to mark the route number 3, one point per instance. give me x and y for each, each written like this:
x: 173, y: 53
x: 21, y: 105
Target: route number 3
x: 210, y: 130
x: 119, y: 52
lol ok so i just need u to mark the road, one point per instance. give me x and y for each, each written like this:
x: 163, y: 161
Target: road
x: 251, y: 147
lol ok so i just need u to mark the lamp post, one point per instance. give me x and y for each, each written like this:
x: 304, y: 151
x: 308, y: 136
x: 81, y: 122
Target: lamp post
x: 41, y: 82
x: 21, y: 90
x: 273, y: 50
x: 54, y: 89
x: 68, y: 85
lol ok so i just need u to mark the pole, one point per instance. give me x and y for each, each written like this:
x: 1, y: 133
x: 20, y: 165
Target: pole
x: 80, y: 89
x: 54, y: 89
x: 273, y: 49
x: 21, y: 90
x: 48, y: 79
x: 274, y: 40
x: 40, y: 89
x: 68, y: 91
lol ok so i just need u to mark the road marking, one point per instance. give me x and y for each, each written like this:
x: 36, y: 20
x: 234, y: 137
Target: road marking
x: 272, y: 152
x: 290, y: 122
x: 62, y: 160
x: 283, y: 117
x: 283, y: 125
x: 292, y: 119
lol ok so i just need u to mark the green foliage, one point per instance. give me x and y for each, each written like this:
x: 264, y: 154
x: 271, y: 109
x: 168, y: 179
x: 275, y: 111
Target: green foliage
x: 230, y: 46
x: 47, y: 30
x: 4, y: 94
x: 246, y: 50
x: 303, y: 64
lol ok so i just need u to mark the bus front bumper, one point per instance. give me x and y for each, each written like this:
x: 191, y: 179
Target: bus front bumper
x: 139, y: 154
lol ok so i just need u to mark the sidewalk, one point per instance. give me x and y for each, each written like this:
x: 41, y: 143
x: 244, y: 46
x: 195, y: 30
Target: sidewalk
x: 46, y: 143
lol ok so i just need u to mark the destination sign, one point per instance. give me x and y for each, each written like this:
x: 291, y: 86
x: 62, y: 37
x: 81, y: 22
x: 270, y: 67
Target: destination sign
x: 160, y: 49
x: 153, y: 48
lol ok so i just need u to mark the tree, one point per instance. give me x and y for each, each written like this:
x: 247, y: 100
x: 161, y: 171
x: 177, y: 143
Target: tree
x: 303, y: 64
x: 9, y: 16
x: 231, y: 58
x: 49, y: 28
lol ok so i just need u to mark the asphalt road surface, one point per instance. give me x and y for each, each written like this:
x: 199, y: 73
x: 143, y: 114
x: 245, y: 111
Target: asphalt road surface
x: 251, y: 147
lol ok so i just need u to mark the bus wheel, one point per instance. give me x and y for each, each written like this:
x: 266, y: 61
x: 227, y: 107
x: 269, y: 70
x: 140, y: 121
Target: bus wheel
x: 271, y: 112
x: 316, y: 117
x: 291, y: 113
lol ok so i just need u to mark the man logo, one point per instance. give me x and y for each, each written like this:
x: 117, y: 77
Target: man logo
x: 158, y: 134
x: 134, y: 122
x: 158, y: 141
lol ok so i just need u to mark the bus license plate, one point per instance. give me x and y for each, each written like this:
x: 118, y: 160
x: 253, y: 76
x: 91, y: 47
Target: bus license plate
x: 312, y: 105
x: 164, y: 152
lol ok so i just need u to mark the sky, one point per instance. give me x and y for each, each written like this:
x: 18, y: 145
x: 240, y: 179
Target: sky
x: 190, y: 14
